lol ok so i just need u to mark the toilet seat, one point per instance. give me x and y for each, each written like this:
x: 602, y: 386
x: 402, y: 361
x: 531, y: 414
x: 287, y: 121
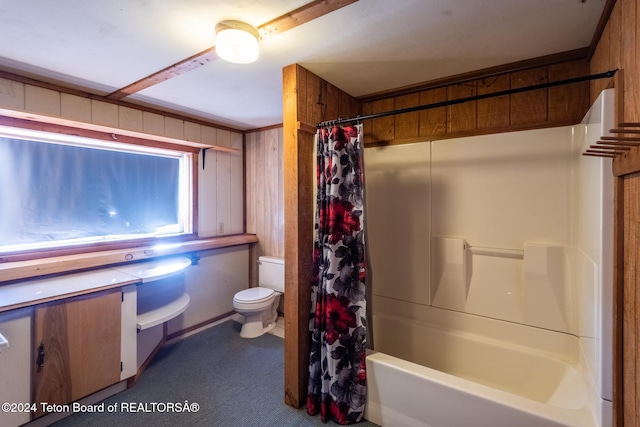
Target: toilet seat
x: 253, y: 295
x: 253, y: 299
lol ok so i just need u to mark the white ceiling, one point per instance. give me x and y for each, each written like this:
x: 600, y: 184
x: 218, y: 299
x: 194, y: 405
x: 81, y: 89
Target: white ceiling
x: 100, y: 46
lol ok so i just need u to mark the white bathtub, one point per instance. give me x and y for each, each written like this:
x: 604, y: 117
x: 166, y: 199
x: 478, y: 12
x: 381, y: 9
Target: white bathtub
x: 458, y: 370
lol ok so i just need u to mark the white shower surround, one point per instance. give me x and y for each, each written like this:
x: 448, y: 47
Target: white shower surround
x: 548, y: 211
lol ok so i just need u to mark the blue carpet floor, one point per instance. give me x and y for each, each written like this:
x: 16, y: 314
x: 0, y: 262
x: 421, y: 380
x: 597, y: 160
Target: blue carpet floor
x: 232, y: 381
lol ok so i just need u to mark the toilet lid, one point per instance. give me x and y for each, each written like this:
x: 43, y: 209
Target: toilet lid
x: 254, y: 295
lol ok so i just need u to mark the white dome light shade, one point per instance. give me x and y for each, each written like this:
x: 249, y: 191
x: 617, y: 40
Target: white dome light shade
x: 237, y: 42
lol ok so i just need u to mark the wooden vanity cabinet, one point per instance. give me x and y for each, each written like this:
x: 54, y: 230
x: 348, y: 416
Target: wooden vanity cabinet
x: 76, y: 347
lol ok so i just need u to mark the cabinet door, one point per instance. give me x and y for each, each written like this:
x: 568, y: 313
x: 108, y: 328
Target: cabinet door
x: 15, y: 368
x: 77, y: 347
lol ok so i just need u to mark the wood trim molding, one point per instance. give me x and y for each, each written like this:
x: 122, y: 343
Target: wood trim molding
x: 134, y: 380
x: 618, y: 302
x: 62, y: 126
x: 602, y: 23
x: 307, y: 128
x: 264, y: 129
x: 197, y: 326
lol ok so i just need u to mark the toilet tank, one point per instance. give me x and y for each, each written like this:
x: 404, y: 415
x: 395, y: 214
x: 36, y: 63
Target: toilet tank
x: 271, y: 273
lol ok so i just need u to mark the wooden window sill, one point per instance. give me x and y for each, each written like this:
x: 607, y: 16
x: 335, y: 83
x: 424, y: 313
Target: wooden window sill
x: 12, y: 271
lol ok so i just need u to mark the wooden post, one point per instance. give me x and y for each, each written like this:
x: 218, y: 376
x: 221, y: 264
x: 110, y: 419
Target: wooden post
x: 307, y: 100
x: 298, y: 237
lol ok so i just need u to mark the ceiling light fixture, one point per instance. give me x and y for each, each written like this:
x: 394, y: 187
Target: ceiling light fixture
x: 237, y: 42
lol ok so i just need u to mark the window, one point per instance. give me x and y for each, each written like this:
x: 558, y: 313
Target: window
x: 59, y: 190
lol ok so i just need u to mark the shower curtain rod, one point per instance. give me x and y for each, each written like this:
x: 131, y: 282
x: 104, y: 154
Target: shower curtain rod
x: 357, y: 119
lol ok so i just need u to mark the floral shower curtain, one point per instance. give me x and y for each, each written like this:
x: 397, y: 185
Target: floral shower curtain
x: 338, y: 325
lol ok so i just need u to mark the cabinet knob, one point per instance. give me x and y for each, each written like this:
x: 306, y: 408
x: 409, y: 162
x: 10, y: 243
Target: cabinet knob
x: 40, y: 360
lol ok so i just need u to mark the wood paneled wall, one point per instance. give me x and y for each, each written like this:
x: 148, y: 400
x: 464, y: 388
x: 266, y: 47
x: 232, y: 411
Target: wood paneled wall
x: 558, y: 106
x: 629, y: 304
x: 265, y: 192
x: 47, y: 102
x: 618, y: 48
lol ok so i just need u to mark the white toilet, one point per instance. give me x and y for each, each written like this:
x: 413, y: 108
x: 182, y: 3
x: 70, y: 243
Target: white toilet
x: 259, y: 305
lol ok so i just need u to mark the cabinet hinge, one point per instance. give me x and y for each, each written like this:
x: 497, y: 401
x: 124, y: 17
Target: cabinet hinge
x: 122, y: 296
x: 121, y: 366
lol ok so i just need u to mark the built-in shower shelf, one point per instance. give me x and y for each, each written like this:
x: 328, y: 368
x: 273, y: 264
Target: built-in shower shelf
x: 149, y: 317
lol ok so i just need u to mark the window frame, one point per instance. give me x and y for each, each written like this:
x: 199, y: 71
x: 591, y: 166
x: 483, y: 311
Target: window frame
x: 110, y: 136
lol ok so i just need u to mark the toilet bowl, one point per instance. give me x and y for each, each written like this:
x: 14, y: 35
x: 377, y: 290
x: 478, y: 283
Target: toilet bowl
x: 259, y: 305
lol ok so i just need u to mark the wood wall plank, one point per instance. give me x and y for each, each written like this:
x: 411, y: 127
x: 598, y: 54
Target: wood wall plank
x: 209, y: 135
x: 407, y: 124
x: 462, y: 117
x: 315, y: 106
x: 493, y: 113
x: 12, y: 94
x: 271, y: 151
x: 567, y: 102
x: 600, y: 61
x: 380, y: 129
x: 301, y: 86
x: 75, y: 108
x: 615, y: 34
x: 251, y: 179
x: 152, y: 123
x: 618, y: 298
x: 223, y: 138
x: 104, y: 113
x: 42, y: 101
x: 433, y: 122
x: 174, y: 128
x: 223, y: 192
x: 348, y: 105
x: 130, y: 119
x: 629, y: 56
x: 631, y: 300
x: 265, y: 193
x: 237, y: 202
x: 330, y: 99
x: 192, y: 132
x: 529, y: 108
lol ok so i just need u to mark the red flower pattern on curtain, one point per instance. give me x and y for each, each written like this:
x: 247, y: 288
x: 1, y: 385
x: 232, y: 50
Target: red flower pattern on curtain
x: 337, y: 370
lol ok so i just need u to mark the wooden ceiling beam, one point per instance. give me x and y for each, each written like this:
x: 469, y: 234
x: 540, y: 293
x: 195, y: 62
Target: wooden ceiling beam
x: 299, y: 16
x: 171, y: 71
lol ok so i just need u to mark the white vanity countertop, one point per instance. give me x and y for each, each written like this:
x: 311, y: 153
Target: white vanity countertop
x: 34, y: 291
x: 155, y: 270
x: 41, y: 290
